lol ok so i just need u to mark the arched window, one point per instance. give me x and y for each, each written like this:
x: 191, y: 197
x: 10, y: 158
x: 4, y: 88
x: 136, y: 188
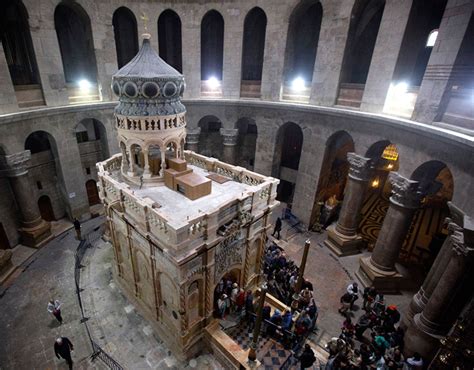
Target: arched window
x: 212, y: 46
x: 432, y: 39
x: 73, y: 28
x: 17, y: 44
x: 169, y: 39
x: 125, y: 32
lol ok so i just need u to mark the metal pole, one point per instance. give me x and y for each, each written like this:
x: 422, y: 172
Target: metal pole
x: 299, y: 282
x: 256, y: 330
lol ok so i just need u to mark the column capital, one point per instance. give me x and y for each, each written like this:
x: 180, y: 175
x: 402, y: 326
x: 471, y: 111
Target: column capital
x: 192, y: 135
x: 230, y: 136
x: 405, y: 192
x: 13, y: 165
x: 360, y: 168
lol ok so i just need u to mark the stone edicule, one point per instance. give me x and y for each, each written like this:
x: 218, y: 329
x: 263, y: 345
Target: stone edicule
x: 174, y: 235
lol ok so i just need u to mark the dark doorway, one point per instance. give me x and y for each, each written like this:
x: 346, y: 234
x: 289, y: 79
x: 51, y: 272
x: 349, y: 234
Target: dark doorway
x: 212, y: 45
x: 125, y: 32
x: 169, y: 39
x: 46, y: 209
x: 92, y: 193
x: 4, y: 243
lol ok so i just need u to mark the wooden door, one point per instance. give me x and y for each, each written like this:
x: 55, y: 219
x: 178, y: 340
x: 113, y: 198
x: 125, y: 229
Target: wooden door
x: 46, y: 209
x: 92, y: 193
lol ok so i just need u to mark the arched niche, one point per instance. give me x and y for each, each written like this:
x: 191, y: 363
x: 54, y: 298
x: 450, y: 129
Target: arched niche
x: 92, y: 192
x: 17, y: 44
x: 169, y: 39
x: 286, y: 159
x: 302, y: 45
x: 363, y: 30
x: 212, y: 46
x: 332, y: 177
x: 45, y: 170
x: 125, y: 33
x: 253, y: 47
x: 74, y: 32
x: 195, y: 301
x: 246, y: 142
x: 210, y: 139
x: 92, y: 130
x: 46, y: 208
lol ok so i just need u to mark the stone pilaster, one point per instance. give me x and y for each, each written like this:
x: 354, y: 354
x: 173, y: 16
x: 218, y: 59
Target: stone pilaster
x: 441, y: 66
x: 34, y: 231
x: 420, y: 299
x: 331, y: 46
x: 385, y: 55
x: 229, y: 136
x: 448, y: 298
x: 232, y: 67
x: 379, y: 269
x: 342, y: 237
x: 7, y: 92
x: 191, y: 46
x: 192, y: 138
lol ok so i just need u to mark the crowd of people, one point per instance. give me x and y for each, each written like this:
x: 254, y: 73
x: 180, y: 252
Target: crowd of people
x: 382, y: 349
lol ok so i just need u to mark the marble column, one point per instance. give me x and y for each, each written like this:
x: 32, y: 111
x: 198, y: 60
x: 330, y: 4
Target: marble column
x: 146, y: 167
x: 420, y: 299
x: 229, y: 136
x: 124, y: 166
x: 192, y: 138
x: 34, y: 230
x: 163, y: 161
x: 131, y: 160
x: 342, y: 236
x: 442, y: 70
x: 448, y: 298
x: 379, y: 269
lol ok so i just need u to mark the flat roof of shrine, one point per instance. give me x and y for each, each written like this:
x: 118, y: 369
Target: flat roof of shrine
x: 177, y: 208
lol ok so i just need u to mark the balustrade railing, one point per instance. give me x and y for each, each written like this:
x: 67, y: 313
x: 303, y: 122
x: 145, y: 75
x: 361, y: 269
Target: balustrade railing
x: 150, y: 124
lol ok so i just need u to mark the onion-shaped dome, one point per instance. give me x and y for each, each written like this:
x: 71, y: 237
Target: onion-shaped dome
x: 148, y: 86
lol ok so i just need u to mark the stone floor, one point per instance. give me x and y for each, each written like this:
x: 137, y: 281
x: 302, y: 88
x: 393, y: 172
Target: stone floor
x: 28, y: 331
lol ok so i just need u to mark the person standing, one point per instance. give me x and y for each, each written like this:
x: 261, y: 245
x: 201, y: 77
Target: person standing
x: 77, y: 227
x: 277, y: 228
x: 307, y: 358
x: 63, y: 348
x: 353, y: 289
x: 54, y: 307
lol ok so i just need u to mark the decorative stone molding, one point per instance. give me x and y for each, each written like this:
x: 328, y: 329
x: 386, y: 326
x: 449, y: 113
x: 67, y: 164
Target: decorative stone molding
x: 228, y: 253
x: 360, y: 168
x: 192, y: 135
x: 405, y: 192
x: 15, y: 164
x: 230, y: 136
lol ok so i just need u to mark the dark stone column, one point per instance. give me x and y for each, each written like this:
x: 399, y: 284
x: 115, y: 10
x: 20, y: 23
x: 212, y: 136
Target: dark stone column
x: 379, y: 269
x: 192, y: 138
x: 420, y: 299
x: 230, y: 136
x: 342, y: 237
x: 34, y: 230
x: 448, y: 299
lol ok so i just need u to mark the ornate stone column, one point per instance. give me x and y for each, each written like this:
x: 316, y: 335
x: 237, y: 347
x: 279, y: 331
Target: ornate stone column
x: 448, y: 299
x: 420, y: 299
x: 146, y: 167
x: 34, y: 230
x: 124, y: 166
x: 342, y: 237
x: 192, y: 138
x: 131, y: 160
x: 163, y: 161
x: 230, y: 136
x: 379, y: 269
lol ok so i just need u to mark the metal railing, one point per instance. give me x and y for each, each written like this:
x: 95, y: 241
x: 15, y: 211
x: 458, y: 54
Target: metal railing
x: 88, y: 242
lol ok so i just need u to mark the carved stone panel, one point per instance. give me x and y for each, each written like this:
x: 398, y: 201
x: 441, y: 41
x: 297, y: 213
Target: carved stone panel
x: 229, y: 252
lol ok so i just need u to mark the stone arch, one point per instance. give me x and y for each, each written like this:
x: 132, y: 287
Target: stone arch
x: 169, y: 39
x: 92, y: 192
x: 286, y: 159
x: 17, y: 44
x: 436, y: 181
x: 212, y: 45
x: 126, y: 35
x: 74, y: 32
x: 332, y: 177
x: 253, y: 47
x: 234, y: 273
x: 93, y: 130
x: 210, y: 139
x: 302, y: 41
x: 246, y: 142
x: 46, y: 208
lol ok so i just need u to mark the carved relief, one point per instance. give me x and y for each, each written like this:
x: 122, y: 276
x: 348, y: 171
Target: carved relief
x: 405, y: 192
x: 228, y: 253
x: 360, y: 168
